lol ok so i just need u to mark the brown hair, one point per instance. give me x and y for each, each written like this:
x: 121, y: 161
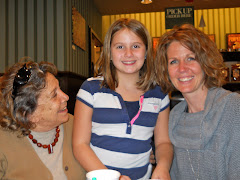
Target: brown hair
x: 14, y: 110
x: 207, y: 54
x: 104, y: 66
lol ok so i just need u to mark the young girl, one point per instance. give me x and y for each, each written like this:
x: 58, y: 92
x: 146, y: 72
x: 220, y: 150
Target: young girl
x: 117, y: 112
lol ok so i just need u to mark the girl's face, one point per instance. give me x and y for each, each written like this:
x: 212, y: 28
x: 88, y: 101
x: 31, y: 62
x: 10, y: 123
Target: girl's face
x: 184, y: 70
x: 127, y: 52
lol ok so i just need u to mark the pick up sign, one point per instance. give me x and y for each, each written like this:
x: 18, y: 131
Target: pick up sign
x: 179, y: 15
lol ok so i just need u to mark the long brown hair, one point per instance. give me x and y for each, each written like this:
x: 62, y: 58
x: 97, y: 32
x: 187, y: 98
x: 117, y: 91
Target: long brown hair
x: 105, y: 67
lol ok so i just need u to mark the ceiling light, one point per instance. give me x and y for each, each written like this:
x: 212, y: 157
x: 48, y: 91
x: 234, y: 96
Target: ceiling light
x: 146, y: 1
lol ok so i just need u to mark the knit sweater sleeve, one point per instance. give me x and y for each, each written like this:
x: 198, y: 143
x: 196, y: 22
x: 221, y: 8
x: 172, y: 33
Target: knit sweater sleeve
x: 233, y: 149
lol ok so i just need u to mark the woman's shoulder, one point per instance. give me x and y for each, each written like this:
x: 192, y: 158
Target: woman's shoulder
x: 227, y: 96
x: 179, y: 108
x: 227, y: 104
x: 233, y: 102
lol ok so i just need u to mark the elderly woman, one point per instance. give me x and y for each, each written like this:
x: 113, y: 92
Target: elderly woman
x: 205, y: 127
x: 35, y: 127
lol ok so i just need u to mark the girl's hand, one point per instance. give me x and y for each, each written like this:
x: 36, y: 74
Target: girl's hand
x: 122, y: 177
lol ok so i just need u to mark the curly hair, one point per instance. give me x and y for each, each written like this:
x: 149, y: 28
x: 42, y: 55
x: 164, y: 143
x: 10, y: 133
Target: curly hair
x: 104, y: 67
x: 14, y: 110
x: 207, y: 54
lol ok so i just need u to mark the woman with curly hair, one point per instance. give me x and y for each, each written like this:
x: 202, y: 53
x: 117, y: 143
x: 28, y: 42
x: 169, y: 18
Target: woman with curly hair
x: 204, y: 128
x: 35, y: 127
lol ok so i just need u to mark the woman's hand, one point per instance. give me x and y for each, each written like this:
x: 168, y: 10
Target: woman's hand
x: 122, y: 177
x: 161, y: 173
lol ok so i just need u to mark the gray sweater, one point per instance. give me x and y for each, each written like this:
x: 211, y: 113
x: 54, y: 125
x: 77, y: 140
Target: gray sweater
x: 207, y: 143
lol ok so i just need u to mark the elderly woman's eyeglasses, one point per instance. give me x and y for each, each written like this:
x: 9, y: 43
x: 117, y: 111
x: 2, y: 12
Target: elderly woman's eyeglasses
x: 21, y: 78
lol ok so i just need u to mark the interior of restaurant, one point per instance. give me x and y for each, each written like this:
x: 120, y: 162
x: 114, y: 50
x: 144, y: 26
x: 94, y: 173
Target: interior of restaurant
x: 70, y: 33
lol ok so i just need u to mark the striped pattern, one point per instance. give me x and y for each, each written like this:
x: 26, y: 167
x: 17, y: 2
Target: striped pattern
x: 218, y: 22
x: 119, y: 145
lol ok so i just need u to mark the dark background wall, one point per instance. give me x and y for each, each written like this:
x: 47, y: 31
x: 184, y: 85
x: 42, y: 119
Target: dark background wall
x: 42, y: 30
x: 70, y: 84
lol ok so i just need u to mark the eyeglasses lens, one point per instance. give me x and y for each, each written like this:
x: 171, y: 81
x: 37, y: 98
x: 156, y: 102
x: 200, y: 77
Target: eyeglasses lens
x: 21, y: 78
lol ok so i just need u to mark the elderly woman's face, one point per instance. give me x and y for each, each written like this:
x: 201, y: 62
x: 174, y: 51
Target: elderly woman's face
x: 52, y: 106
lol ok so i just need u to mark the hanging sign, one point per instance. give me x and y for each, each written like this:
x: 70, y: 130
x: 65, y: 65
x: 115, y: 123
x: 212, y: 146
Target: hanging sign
x: 179, y: 15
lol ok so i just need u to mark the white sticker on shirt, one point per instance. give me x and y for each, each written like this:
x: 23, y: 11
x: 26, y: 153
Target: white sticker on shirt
x: 152, y: 105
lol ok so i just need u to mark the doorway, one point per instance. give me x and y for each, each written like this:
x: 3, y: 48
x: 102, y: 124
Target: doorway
x: 95, y: 50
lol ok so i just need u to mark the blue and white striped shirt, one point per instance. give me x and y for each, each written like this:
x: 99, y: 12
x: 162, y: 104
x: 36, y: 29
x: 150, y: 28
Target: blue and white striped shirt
x: 117, y: 144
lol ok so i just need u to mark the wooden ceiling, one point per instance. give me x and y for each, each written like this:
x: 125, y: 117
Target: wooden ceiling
x: 111, y: 7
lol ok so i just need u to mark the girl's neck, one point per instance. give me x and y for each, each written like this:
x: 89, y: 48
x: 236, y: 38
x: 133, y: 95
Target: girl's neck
x: 127, y: 88
x: 128, y: 81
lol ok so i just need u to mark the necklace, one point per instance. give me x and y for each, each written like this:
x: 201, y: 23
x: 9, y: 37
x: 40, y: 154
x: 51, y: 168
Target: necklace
x: 196, y: 174
x: 45, y: 146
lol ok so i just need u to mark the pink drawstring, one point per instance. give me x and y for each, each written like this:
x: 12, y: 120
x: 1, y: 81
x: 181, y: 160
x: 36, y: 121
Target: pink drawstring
x: 135, y: 117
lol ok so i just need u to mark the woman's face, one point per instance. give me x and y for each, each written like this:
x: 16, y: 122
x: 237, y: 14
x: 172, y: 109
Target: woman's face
x: 52, y: 106
x: 127, y: 52
x: 184, y: 70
